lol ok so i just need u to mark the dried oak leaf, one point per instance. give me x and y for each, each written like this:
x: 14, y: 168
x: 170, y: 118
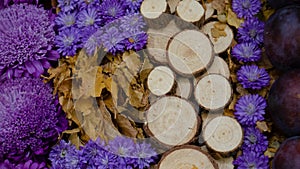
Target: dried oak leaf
x: 125, y: 126
x: 232, y: 18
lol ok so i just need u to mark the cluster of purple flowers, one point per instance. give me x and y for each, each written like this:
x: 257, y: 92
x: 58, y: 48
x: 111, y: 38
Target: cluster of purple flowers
x: 250, y: 108
x: 116, y: 25
x: 120, y: 152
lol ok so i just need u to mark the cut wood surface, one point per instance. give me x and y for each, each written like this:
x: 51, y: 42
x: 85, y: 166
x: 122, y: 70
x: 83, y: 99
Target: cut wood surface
x: 220, y: 35
x: 190, y: 52
x: 160, y: 80
x: 187, y: 157
x: 153, y: 8
x: 158, y: 41
x: 172, y: 121
x: 219, y: 66
x: 184, y: 87
x: 190, y: 10
x: 223, y: 134
x: 213, y: 92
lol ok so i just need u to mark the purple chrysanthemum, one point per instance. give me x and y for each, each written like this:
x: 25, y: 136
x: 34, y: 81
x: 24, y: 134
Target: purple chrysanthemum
x: 254, y: 140
x: 67, y: 5
x: 122, y: 147
x: 112, y: 40
x: 246, y: 8
x: 89, y: 18
x: 64, y: 155
x: 253, y: 77
x: 27, y: 165
x: 246, y: 52
x: 111, y: 10
x: 89, y: 3
x: 106, y: 160
x: 249, y: 109
x: 26, y: 39
x: 30, y: 118
x: 65, y: 20
x: 136, y: 41
x: 143, y: 155
x: 133, y: 6
x: 251, y: 160
x: 252, y: 30
x: 68, y: 41
x: 132, y: 23
x: 93, y: 42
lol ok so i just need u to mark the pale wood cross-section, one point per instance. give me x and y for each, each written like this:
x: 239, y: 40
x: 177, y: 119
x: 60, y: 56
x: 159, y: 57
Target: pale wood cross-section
x: 153, y: 8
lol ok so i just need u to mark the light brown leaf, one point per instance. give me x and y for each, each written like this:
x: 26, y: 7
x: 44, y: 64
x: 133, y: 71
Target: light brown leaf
x: 232, y: 19
x: 125, y: 126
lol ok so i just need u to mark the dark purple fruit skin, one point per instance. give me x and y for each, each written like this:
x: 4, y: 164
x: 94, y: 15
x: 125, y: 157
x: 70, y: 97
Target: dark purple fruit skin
x: 288, y: 155
x: 282, y: 3
x: 284, y: 103
x: 282, y: 38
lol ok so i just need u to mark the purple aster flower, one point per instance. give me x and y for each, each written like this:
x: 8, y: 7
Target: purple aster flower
x: 122, y: 147
x: 65, y: 20
x: 249, y: 109
x: 112, y: 40
x: 30, y: 118
x: 254, y: 140
x: 26, y: 39
x: 93, y: 42
x: 246, y: 52
x: 31, y: 165
x: 252, y: 31
x: 251, y: 160
x: 89, y: 18
x: 246, y: 8
x: 64, y: 155
x: 67, y: 5
x: 111, y: 10
x: 68, y: 41
x: 89, y: 3
x: 136, y: 41
x: 253, y: 77
x: 143, y: 155
x: 133, y: 6
x: 106, y: 160
x: 132, y: 23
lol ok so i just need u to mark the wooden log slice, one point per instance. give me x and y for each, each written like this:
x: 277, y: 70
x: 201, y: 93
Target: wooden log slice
x: 190, y: 10
x: 223, y: 134
x: 184, y: 87
x: 153, y: 8
x: 172, y: 121
x: 219, y: 66
x: 187, y: 157
x: 160, y: 80
x: 158, y: 41
x: 220, y: 35
x: 190, y: 52
x: 213, y: 92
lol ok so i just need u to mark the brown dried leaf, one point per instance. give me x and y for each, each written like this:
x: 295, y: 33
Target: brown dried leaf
x: 132, y: 61
x: 125, y: 126
x: 232, y: 19
x: 262, y: 126
x: 219, y: 5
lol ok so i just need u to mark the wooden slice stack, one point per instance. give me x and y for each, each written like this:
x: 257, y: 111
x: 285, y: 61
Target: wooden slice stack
x: 153, y: 8
x: 187, y: 157
x: 190, y: 10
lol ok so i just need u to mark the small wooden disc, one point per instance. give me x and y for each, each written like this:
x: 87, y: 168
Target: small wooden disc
x: 187, y: 157
x: 158, y: 41
x: 184, y: 87
x: 172, y: 121
x: 190, y: 52
x: 219, y: 66
x: 213, y: 92
x: 153, y: 8
x: 160, y: 80
x: 223, y: 134
x: 190, y: 10
x: 220, y: 35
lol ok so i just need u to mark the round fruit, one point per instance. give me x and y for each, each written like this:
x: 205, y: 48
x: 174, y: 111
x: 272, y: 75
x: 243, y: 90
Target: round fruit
x: 284, y: 103
x: 288, y: 155
x: 282, y: 38
x: 282, y: 3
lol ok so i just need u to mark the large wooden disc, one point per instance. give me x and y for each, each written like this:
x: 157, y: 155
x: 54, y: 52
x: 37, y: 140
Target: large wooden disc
x: 153, y: 8
x: 172, y: 121
x: 190, y: 10
x: 160, y: 80
x: 219, y: 66
x: 220, y: 35
x: 158, y: 41
x: 223, y: 134
x: 213, y: 92
x: 190, y: 52
x: 187, y: 157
